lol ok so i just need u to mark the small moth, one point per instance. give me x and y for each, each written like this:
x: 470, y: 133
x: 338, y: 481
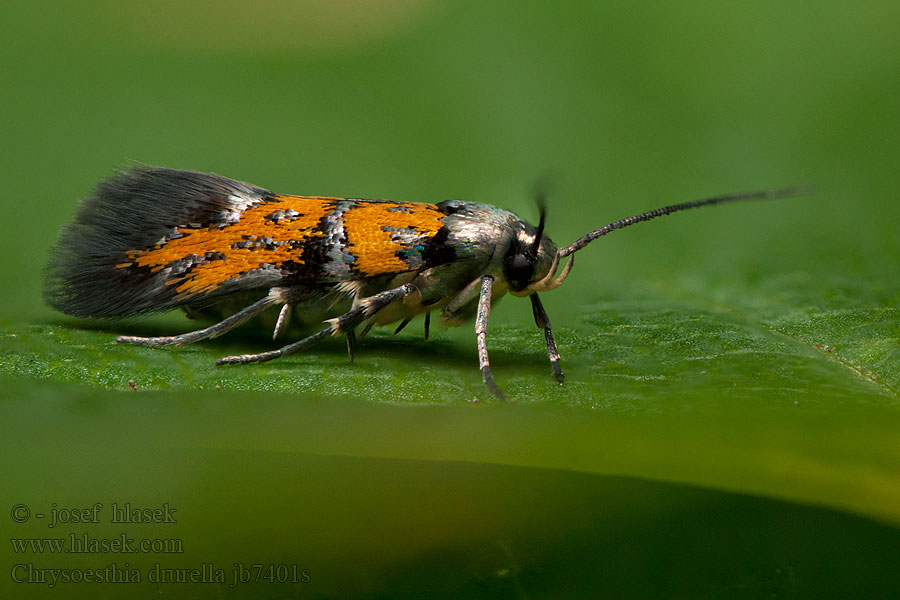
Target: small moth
x: 151, y: 239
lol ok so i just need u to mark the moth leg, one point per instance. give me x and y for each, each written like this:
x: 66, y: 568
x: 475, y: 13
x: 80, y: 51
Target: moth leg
x: 367, y: 307
x: 351, y: 333
x: 481, y: 321
x: 283, y: 318
x: 207, y: 333
x: 407, y: 320
x: 468, y: 293
x: 367, y: 328
x: 403, y: 324
x: 543, y: 322
x: 351, y: 343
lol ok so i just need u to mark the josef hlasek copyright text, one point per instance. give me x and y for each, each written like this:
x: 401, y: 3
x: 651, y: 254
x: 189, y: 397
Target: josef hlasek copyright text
x: 73, y: 527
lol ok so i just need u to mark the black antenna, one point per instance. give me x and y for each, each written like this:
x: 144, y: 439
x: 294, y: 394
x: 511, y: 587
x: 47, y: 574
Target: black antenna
x: 796, y: 190
x: 540, y: 230
x: 540, y: 198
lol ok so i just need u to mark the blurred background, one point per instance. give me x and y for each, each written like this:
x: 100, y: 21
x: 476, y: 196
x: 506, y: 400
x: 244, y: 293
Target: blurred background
x: 627, y: 105
x: 695, y: 345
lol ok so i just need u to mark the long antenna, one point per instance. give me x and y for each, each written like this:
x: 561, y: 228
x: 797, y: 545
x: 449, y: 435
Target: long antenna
x: 796, y: 190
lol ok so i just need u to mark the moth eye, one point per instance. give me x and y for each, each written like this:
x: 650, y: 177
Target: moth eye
x: 520, y: 263
x: 518, y: 269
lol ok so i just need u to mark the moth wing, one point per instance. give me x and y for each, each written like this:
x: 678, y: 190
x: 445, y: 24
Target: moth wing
x: 137, y: 210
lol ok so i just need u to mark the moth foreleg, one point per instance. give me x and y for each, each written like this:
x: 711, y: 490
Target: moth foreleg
x: 203, y: 334
x: 481, y: 321
x: 543, y: 322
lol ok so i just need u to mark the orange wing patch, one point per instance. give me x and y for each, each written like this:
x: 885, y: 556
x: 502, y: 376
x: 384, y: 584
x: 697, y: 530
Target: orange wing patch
x: 370, y: 229
x: 255, y: 223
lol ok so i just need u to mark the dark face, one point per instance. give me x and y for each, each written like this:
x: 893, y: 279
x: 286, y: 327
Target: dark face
x: 528, y: 259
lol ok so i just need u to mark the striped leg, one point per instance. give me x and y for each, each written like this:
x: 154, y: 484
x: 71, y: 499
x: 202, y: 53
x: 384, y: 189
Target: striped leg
x: 366, y: 308
x: 543, y: 322
x: 283, y: 318
x: 204, y: 334
x: 481, y: 321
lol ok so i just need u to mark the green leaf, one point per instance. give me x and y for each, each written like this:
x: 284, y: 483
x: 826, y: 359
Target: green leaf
x: 728, y: 425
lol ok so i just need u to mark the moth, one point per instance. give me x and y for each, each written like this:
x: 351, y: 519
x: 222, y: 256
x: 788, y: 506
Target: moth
x: 151, y: 239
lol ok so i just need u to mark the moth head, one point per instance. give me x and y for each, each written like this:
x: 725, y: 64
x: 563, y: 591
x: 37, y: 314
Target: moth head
x: 531, y: 260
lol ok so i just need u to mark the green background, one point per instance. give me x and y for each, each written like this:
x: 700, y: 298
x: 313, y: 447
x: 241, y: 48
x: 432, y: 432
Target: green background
x: 729, y: 424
